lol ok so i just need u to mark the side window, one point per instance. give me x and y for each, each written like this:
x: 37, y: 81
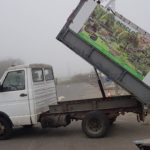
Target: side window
x: 48, y: 74
x: 37, y: 75
x: 14, y: 81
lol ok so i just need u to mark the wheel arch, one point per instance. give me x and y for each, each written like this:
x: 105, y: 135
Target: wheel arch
x: 4, y: 115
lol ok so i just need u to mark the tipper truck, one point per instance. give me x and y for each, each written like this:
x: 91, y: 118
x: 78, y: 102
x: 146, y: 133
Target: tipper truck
x: 28, y: 93
x: 28, y: 96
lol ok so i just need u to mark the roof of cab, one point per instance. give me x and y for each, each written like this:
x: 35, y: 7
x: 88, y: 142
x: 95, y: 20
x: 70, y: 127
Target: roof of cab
x: 30, y: 66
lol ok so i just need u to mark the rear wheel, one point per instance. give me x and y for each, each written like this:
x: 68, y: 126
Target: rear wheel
x: 95, y: 124
x: 5, y: 129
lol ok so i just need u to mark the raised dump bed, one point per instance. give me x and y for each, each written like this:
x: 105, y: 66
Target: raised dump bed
x: 112, y: 44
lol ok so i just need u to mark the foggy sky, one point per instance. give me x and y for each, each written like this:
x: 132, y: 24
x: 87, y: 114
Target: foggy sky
x: 28, y: 30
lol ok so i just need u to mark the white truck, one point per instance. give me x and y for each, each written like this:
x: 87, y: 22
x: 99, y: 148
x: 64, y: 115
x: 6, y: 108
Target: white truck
x: 25, y: 92
x: 28, y: 96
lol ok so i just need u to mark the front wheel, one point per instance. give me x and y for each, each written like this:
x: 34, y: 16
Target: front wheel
x: 5, y: 129
x: 95, y: 124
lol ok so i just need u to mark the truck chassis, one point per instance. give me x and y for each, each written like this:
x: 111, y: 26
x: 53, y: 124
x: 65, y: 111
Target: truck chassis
x: 96, y: 114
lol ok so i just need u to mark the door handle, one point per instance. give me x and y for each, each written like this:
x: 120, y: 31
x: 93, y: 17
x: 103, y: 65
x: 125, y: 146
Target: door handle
x: 23, y: 95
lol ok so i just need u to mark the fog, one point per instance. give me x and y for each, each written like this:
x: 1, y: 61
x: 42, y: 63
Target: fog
x: 28, y: 30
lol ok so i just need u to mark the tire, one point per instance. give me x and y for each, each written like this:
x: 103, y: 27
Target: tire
x: 95, y: 124
x: 5, y: 129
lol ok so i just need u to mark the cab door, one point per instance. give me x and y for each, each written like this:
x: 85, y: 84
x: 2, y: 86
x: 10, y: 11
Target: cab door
x: 14, y: 99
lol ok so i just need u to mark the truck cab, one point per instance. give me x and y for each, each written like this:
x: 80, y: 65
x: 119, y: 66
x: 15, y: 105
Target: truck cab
x: 26, y: 92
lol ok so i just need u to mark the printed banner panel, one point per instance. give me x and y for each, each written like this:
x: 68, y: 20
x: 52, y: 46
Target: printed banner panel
x: 116, y: 37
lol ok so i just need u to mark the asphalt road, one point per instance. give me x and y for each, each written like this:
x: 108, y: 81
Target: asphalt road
x: 83, y: 90
x: 78, y: 91
x: 120, y: 136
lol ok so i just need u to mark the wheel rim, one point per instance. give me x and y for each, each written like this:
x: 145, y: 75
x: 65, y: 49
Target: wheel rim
x: 2, y: 129
x: 94, y: 125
